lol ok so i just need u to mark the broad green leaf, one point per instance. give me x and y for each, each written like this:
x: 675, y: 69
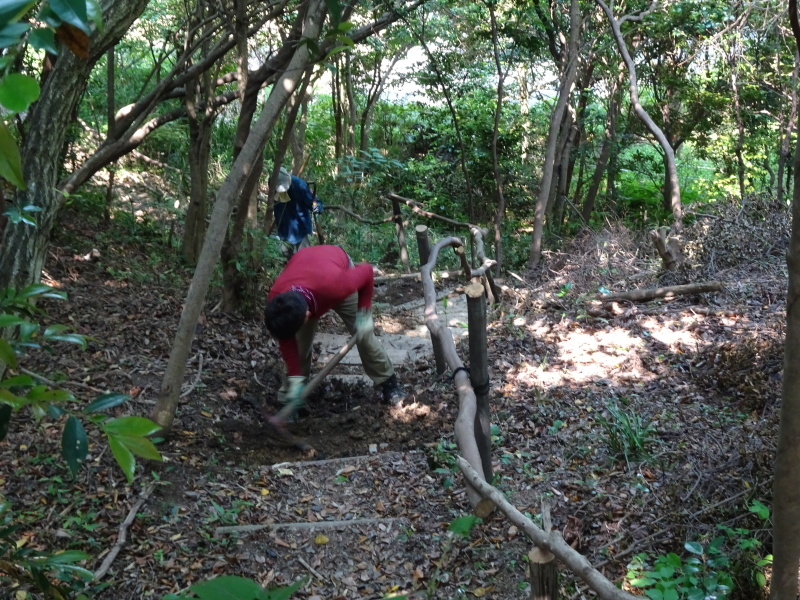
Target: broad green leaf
x: 17, y: 381
x: 335, y: 11
x: 14, y: 401
x: 74, y: 445
x: 10, y: 162
x: 106, y: 401
x: 7, y: 354
x: 284, y: 593
x: 71, y: 338
x: 43, y: 39
x: 642, y: 582
x: 18, y: 91
x: 140, y: 446
x: 124, y: 457
x: 39, y: 289
x: 11, y: 10
x: 654, y: 594
x: 11, y: 34
x: 229, y: 587
x: 693, y: 547
x: 44, y: 395
x: 463, y: 525
x: 72, y: 12
x: 130, y: 426
x: 9, y: 320
x: 5, y: 420
x: 67, y: 557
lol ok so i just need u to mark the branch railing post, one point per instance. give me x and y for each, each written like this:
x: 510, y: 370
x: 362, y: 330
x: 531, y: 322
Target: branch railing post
x: 401, y: 234
x: 423, y: 243
x: 479, y: 371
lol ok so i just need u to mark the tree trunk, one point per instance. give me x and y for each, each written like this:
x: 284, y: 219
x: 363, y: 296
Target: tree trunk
x: 737, y: 113
x: 498, y: 178
x: 671, y: 184
x: 23, y: 247
x: 164, y: 411
x: 786, y: 139
x: 605, y: 151
x: 786, y: 485
x: 568, y: 78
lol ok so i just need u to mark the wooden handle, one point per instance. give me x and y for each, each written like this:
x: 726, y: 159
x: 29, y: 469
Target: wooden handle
x: 289, y: 409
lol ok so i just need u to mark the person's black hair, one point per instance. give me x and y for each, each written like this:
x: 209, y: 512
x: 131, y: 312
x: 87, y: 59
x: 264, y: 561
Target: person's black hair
x: 285, y: 314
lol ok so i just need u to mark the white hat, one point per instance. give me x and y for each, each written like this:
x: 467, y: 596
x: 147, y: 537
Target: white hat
x: 284, y: 181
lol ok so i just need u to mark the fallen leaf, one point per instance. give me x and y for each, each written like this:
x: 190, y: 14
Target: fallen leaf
x: 321, y: 539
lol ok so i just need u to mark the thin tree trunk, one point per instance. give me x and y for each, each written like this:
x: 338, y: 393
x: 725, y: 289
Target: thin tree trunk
x: 737, y: 113
x: 498, y: 178
x: 787, y: 136
x: 671, y: 175
x: 110, y: 112
x: 568, y: 79
x: 786, y: 485
x: 605, y: 153
x: 164, y: 411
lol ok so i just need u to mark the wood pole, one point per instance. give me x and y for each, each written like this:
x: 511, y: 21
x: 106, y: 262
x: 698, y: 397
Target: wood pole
x: 479, y: 372
x: 423, y: 244
x: 401, y: 234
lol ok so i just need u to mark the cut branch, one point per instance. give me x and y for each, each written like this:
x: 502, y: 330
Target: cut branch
x: 664, y: 292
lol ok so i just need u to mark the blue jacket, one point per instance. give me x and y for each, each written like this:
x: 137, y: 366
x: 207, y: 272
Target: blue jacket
x: 293, y: 218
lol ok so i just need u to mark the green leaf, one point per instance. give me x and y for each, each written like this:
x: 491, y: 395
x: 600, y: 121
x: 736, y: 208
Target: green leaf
x: 654, y: 594
x: 74, y: 445
x: 43, y: 39
x: 229, y: 587
x: 284, y: 593
x: 72, y: 12
x: 140, y: 446
x: 335, y: 11
x: 124, y: 457
x: 6, y: 397
x: 130, y: 426
x: 463, y: 525
x: 5, y: 420
x: 39, y: 289
x: 11, y: 34
x: 106, y: 401
x: 39, y: 395
x: 17, y: 381
x: 693, y: 547
x: 12, y: 10
x: 18, y: 91
x: 642, y: 582
x: 7, y: 354
x: 761, y: 579
x: 10, y: 162
x: 67, y: 557
x: 8, y: 320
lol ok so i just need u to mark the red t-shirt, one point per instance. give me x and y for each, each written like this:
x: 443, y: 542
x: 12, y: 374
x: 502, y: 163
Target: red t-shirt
x: 323, y: 275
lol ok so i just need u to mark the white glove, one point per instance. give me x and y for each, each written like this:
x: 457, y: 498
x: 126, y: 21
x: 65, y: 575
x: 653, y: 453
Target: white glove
x: 364, y: 324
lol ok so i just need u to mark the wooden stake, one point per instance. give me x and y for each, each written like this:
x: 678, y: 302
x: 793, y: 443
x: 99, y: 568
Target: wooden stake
x: 479, y: 372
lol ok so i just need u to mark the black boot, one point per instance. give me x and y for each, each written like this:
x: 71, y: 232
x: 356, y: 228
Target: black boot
x: 393, y: 392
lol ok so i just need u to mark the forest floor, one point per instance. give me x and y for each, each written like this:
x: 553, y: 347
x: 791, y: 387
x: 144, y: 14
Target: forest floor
x: 702, y: 374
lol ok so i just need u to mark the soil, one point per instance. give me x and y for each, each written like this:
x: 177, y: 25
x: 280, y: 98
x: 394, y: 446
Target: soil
x: 702, y: 373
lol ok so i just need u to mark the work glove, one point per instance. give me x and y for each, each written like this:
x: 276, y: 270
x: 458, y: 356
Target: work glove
x: 364, y: 324
x: 296, y: 385
x: 317, y: 208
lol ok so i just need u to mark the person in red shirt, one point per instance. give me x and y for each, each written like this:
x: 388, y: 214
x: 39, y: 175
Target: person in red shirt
x: 315, y: 280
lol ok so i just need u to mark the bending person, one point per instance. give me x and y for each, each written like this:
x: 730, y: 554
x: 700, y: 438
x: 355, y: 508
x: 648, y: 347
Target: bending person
x: 315, y: 280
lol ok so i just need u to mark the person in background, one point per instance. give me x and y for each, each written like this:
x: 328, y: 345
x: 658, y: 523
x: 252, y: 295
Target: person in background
x: 294, y: 204
x: 315, y: 280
